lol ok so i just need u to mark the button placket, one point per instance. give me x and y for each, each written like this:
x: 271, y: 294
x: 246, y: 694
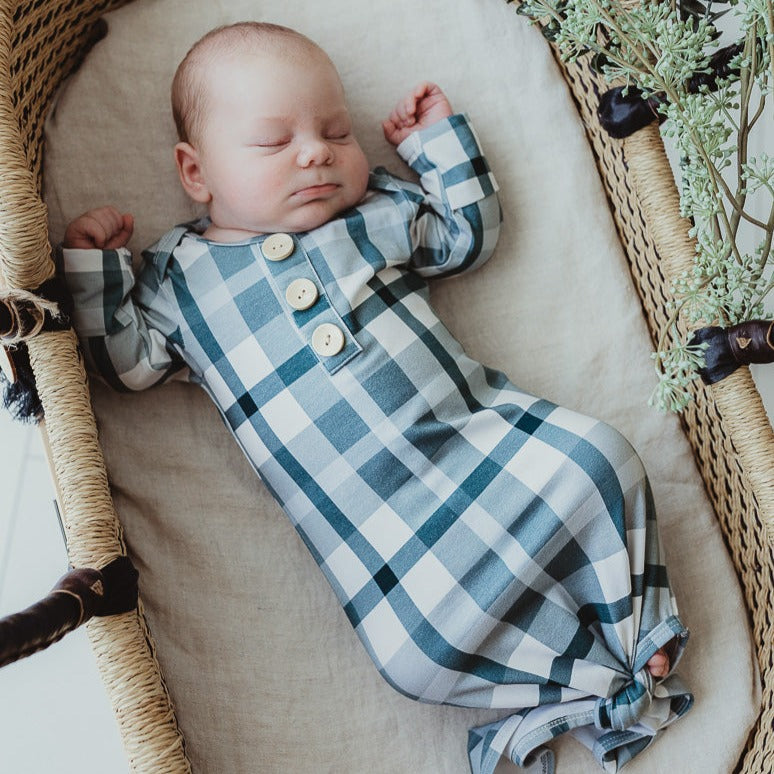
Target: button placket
x: 298, y: 286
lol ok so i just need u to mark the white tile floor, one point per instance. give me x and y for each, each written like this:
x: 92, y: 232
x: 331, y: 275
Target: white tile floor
x: 54, y: 714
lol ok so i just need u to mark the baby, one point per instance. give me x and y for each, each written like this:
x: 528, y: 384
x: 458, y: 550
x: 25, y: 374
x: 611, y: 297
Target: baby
x: 490, y: 549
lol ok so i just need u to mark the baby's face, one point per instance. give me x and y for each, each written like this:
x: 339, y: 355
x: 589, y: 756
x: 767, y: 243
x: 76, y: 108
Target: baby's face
x: 277, y: 151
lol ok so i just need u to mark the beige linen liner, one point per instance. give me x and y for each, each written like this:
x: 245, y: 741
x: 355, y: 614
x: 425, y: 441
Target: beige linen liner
x: 43, y: 42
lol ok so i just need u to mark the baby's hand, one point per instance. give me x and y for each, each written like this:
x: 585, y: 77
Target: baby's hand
x: 422, y: 106
x: 104, y: 228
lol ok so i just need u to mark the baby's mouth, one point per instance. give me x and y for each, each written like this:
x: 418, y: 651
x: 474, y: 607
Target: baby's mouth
x: 316, y: 190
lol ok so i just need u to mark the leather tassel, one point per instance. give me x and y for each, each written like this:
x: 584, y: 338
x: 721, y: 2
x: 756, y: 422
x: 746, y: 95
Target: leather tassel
x: 19, y: 393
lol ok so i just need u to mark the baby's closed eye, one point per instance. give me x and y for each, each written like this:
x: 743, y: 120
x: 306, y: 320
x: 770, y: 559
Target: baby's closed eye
x: 270, y: 142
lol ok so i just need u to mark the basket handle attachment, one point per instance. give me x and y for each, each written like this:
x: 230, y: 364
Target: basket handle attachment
x: 77, y: 596
x: 24, y: 314
x: 624, y: 110
x: 728, y: 348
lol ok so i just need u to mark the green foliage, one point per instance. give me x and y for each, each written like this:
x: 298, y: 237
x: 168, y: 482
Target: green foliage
x: 678, y: 364
x: 666, y: 49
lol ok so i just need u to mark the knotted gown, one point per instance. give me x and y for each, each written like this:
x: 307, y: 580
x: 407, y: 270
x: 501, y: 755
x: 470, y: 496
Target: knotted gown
x: 490, y: 549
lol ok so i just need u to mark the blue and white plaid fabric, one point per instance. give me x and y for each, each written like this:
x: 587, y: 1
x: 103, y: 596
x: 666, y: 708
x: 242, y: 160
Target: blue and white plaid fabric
x: 490, y: 548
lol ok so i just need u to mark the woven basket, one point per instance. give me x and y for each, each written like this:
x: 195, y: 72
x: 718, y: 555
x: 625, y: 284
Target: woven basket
x: 41, y: 42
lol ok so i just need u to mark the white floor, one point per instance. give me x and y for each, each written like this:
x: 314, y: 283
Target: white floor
x: 54, y: 714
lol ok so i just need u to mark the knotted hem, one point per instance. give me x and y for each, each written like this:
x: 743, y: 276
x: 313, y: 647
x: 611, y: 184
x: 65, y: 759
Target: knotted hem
x: 614, y: 728
x: 633, y: 701
x: 669, y: 629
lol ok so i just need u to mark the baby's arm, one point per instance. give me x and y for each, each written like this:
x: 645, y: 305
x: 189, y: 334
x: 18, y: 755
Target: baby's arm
x: 123, y: 321
x: 423, y: 106
x: 454, y: 217
x: 104, y: 228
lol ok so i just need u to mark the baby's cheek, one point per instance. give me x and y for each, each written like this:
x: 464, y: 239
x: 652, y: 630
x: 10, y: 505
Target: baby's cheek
x: 271, y: 185
x: 360, y: 172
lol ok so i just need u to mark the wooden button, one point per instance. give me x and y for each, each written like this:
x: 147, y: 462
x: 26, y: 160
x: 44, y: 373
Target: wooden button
x: 301, y: 294
x: 327, y: 340
x: 277, y: 247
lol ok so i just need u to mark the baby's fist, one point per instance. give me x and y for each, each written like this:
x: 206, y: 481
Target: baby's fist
x: 424, y: 105
x: 104, y: 228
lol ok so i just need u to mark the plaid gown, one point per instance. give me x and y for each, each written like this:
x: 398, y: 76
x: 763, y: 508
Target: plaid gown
x: 490, y: 549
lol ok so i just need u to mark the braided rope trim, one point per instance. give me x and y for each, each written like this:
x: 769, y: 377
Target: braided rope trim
x: 24, y: 307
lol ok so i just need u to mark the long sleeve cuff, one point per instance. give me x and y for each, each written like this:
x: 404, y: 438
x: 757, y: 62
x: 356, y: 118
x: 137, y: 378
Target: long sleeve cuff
x: 448, y: 155
x: 98, y: 281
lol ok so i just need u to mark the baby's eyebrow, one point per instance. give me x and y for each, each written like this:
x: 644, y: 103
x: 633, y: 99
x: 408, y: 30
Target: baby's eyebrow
x: 280, y: 123
x: 338, y: 118
x: 272, y: 121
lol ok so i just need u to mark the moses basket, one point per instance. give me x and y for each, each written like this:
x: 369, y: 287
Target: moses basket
x: 41, y: 44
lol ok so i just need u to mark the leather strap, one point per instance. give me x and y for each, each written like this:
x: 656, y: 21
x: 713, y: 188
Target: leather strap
x: 78, y: 596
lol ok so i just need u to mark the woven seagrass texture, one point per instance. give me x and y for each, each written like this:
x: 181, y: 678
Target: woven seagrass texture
x: 727, y: 426
x: 40, y: 44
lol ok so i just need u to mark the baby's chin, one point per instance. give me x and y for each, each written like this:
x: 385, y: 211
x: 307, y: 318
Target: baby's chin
x: 305, y: 217
x: 314, y: 215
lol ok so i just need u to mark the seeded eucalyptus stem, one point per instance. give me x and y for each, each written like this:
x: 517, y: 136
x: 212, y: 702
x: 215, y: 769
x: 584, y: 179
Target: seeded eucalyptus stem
x: 663, y: 51
x: 770, y: 32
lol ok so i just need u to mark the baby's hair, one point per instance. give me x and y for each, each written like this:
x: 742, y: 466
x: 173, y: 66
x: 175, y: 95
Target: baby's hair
x: 189, y: 97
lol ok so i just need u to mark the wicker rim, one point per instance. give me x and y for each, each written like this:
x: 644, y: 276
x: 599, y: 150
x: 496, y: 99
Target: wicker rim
x: 38, y: 48
x: 40, y: 44
x: 727, y: 426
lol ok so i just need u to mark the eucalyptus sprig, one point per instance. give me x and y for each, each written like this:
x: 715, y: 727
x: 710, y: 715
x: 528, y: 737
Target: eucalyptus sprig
x: 711, y: 101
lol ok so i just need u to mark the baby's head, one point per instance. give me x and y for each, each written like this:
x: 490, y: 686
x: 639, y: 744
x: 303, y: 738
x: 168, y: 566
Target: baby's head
x: 266, y: 139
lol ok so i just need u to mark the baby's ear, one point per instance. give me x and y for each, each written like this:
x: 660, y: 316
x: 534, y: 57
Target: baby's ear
x: 191, y: 174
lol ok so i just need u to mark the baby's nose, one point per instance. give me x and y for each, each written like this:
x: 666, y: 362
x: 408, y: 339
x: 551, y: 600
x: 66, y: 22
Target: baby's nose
x: 315, y: 151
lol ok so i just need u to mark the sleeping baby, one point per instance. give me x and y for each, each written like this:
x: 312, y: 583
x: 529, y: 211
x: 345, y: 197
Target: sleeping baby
x: 490, y: 549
